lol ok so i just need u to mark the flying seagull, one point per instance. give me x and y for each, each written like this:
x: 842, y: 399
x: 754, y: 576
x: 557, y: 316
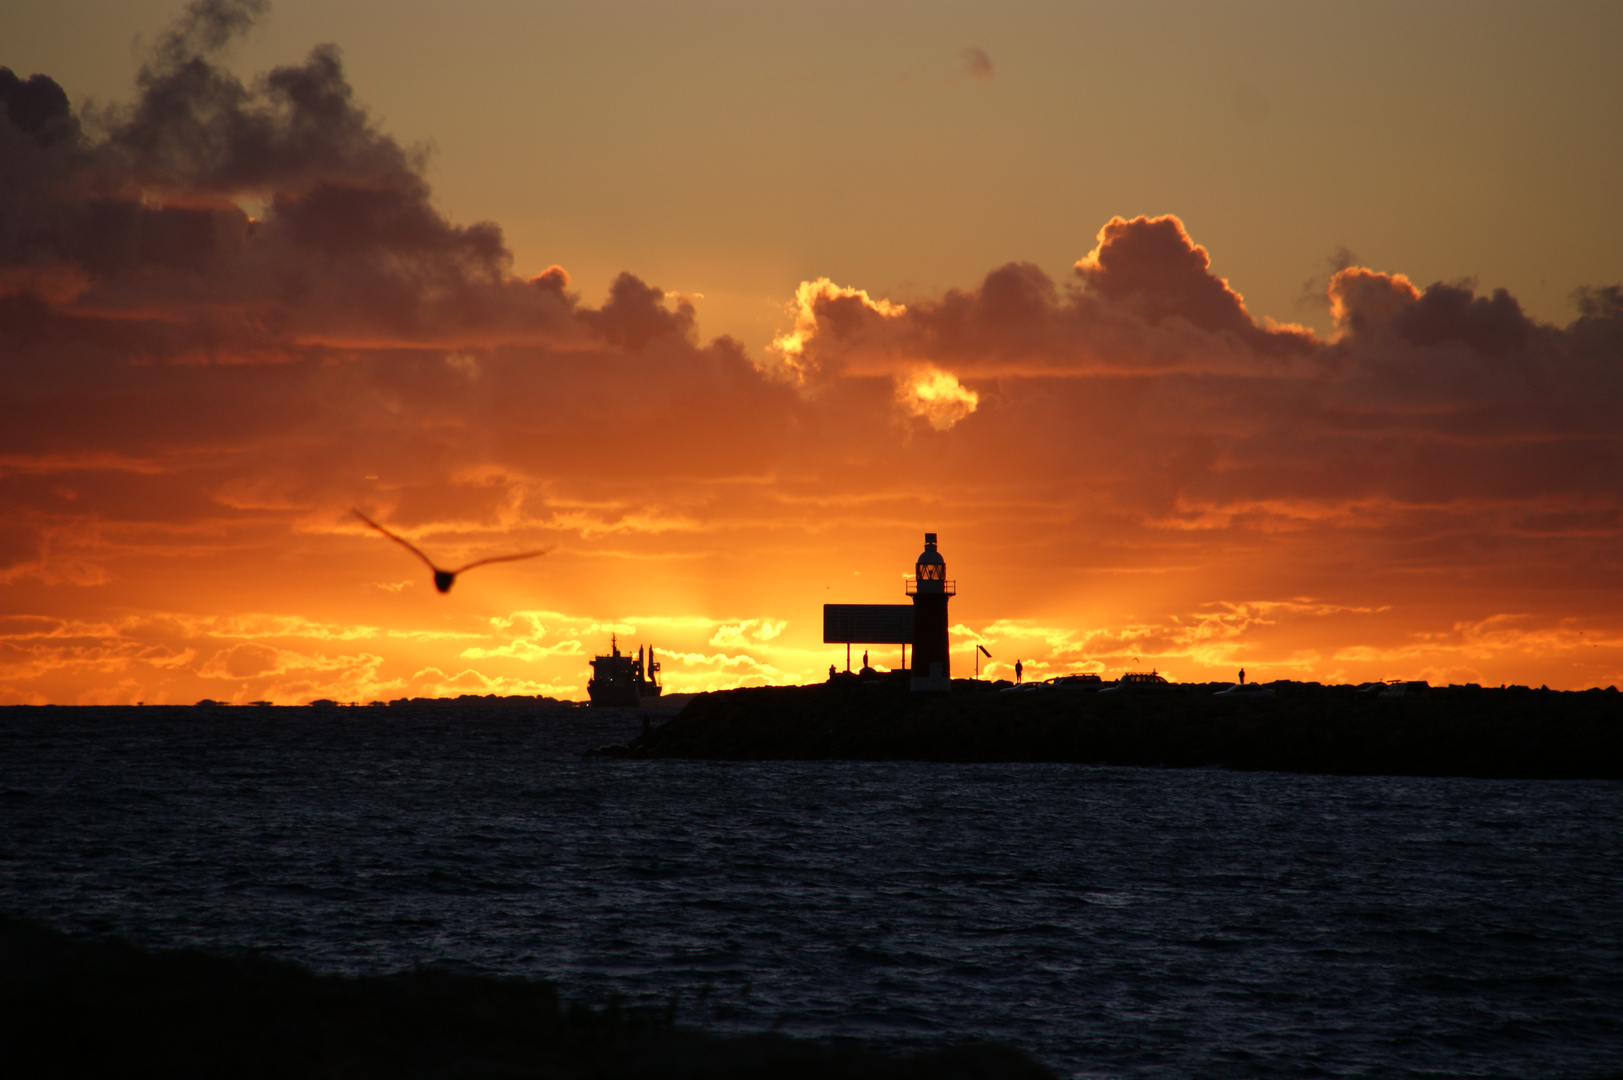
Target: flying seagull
x: 444, y: 579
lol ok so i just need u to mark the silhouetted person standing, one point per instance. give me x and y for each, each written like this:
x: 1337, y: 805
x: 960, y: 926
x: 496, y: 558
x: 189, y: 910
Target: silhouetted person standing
x: 1018, y: 670
x: 1242, y: 676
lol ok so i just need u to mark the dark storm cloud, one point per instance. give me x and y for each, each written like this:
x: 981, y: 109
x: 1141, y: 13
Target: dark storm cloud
x: 1143, y: 300
x: 207, y: 26
x: 37, y: 107
x: 140, y: 223
x: 1369, y: 303
x: 1150, y: 266
x: 197, y: 128
x: 634, y: 315
x: 1492, y: 325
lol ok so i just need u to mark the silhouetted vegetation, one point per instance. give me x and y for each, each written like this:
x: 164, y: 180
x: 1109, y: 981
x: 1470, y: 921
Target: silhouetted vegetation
x: 81, y: 1008
x: 1306, y: 727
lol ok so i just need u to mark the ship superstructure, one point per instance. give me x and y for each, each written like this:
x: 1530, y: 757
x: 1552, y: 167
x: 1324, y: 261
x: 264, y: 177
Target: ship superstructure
x: 624, y: 680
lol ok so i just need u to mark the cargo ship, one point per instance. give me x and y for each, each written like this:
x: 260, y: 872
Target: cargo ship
x: 624, y: 680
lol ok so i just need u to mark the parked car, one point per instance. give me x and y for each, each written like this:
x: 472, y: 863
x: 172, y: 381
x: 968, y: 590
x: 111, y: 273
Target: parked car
x: 1137, y: 681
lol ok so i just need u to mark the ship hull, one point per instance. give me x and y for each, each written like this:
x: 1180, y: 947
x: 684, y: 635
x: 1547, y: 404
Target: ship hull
x: 622, y: 694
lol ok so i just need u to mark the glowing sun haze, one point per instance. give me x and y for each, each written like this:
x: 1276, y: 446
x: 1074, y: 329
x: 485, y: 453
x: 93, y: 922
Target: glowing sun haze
x: 727, y: 305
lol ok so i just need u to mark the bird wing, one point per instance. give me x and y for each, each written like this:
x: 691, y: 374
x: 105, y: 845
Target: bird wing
x: 502, y: 558
x: 403, y: 543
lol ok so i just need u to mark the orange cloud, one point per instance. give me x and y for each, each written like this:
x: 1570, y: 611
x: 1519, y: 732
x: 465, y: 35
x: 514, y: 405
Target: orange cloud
x: 936, y: 397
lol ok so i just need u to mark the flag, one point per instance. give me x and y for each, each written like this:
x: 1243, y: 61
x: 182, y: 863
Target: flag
x: 982, y: 648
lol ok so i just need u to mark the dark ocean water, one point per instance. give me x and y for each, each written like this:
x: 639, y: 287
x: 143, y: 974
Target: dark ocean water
x: 1110, y: 922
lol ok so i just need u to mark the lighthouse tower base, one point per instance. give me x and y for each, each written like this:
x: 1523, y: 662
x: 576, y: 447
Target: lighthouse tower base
x: 933, y: 683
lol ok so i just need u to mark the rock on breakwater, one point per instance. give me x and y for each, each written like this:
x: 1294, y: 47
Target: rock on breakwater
x: 1306, y: 727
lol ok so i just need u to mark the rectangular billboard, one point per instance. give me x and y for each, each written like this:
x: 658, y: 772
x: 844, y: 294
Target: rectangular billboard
x: 868, y: 624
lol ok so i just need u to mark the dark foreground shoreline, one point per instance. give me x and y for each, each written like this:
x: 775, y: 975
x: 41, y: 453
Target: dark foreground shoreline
x: 1513, y: 732
x: 70, y: 1007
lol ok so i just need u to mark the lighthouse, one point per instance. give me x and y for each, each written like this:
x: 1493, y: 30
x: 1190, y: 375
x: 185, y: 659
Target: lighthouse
x: 930, y: 590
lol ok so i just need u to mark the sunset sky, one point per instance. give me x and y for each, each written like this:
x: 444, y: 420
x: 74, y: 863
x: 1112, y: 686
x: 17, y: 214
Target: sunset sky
x: 1284, y: 336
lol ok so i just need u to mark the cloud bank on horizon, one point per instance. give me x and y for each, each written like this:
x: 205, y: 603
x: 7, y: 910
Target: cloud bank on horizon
x: 229, y: 311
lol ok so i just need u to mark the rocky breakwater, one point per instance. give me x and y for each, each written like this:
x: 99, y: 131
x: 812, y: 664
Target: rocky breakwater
x: 1408, y: 730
